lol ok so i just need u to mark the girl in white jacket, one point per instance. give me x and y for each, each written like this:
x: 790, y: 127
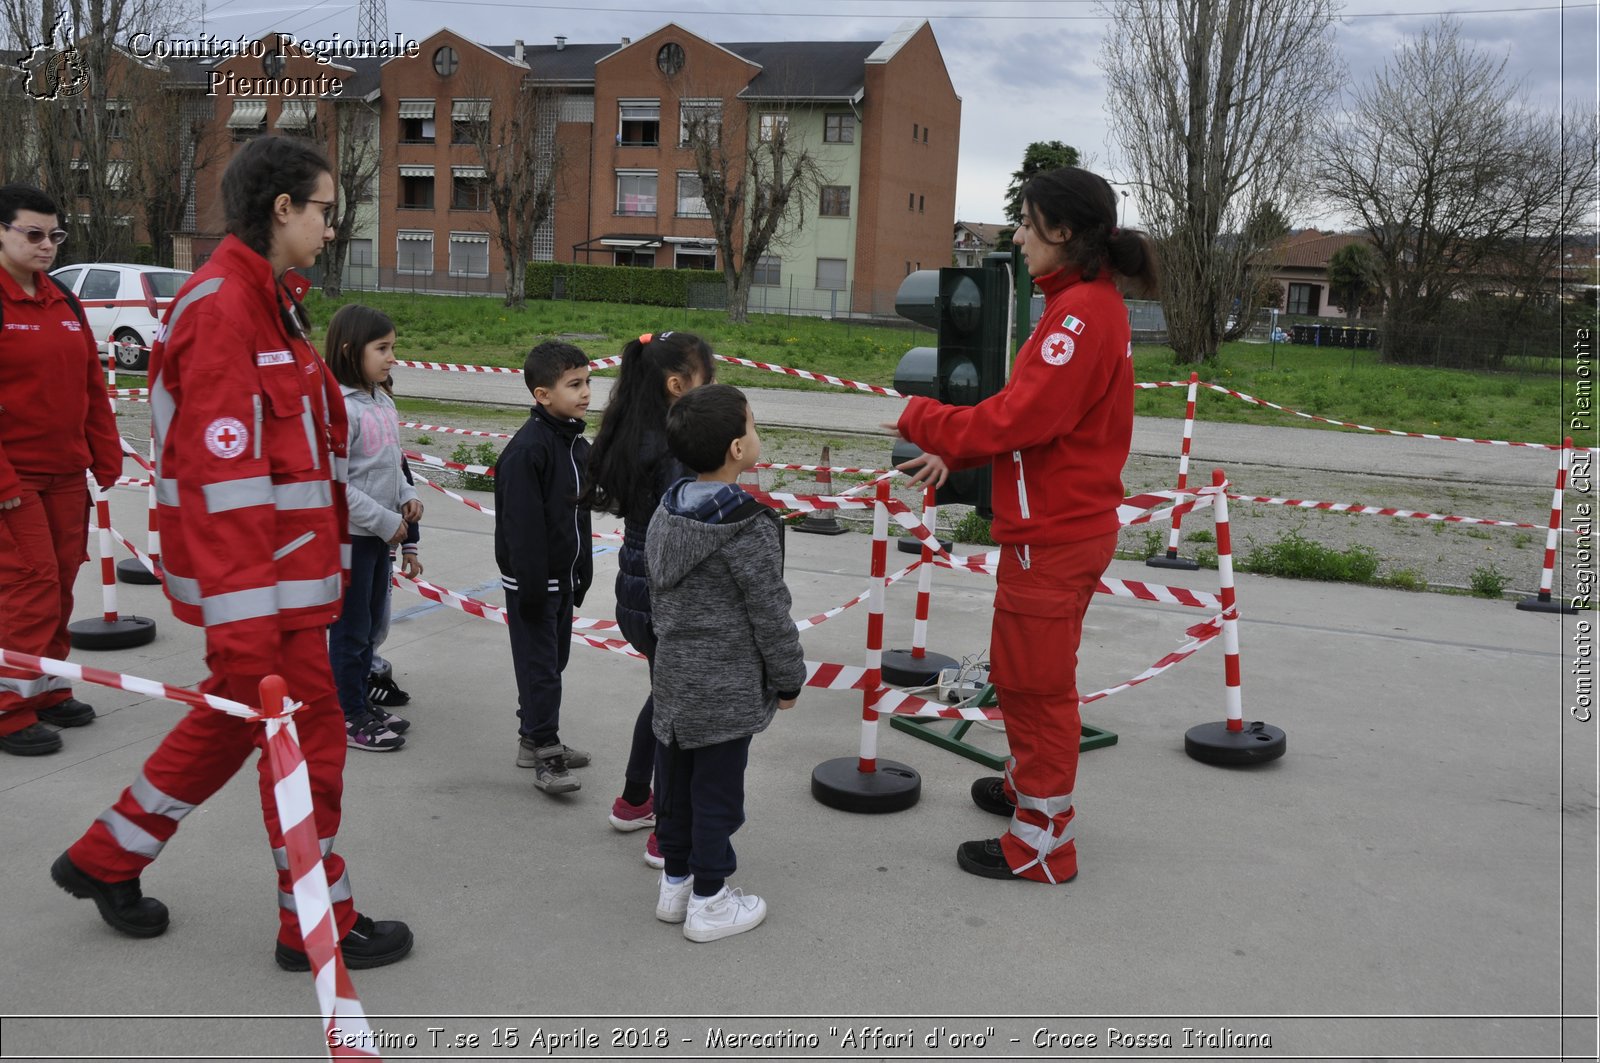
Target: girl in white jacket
x: 382, y: 507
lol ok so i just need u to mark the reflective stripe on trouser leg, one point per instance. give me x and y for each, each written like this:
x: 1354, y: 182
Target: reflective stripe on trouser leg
x: 143, y: 819
x: 1044, y: 840
x: 338, y: 890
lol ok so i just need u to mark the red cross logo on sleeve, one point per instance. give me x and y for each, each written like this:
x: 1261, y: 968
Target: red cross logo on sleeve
x: 226, y: 437
x: 1057, y: 348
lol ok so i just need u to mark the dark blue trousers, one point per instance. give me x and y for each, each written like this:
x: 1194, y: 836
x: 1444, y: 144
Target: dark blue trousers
x: 539, y: 654
x: 350, y: 638
x: 699, y: 804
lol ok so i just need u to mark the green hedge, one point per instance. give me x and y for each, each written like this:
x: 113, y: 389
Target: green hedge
x: 612, y: 284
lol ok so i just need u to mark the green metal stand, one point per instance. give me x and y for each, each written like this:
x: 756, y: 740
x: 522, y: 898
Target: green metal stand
x: 1091, y: 737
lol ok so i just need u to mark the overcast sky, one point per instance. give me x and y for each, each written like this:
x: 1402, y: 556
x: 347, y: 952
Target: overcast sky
x: 1026, y: 70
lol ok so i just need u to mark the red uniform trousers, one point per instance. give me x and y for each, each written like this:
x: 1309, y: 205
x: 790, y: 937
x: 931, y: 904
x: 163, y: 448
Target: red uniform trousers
x: 1041, y: 595
x: 202, y: 753
x: 43, y: 543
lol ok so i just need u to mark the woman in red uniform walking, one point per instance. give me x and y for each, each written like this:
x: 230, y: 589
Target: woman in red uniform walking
x: 1058, y: 434
x: 250, y: 428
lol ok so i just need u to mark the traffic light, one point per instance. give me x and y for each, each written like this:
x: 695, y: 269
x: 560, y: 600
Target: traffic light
x: 971, y: 309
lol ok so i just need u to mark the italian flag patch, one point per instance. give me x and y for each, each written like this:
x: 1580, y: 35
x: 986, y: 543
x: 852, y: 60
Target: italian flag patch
x: 1073, y: 325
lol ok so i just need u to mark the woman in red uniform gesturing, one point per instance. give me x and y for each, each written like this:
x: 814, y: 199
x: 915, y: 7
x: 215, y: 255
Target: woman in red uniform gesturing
x: 1058, y: 434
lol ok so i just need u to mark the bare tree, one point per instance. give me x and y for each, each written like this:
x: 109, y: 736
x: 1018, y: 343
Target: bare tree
x: 1457, y: 185
x: 171, y: 143
x: 755, y: 184
x: 73, y: 135
x: 355, y: 152
x: 1207, y: 100
x: 516, y: 146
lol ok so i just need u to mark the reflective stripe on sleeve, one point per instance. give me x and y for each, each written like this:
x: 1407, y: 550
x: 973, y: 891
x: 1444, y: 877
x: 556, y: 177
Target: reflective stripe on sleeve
x: 228, y: 495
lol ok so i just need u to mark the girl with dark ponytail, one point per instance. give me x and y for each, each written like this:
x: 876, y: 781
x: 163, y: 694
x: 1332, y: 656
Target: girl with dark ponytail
x: 1058, y: 435
x: 629, y: 470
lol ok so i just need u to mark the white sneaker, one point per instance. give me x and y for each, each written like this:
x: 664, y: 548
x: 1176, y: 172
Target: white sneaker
x: 727, y: 913
x: 672, y: 903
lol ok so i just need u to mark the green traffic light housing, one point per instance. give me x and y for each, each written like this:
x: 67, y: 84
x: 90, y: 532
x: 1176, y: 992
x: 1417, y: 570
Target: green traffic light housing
x: 970, y: 308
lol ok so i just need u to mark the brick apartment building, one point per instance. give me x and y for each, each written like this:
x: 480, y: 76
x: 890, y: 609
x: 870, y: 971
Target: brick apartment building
x: 881, y: 119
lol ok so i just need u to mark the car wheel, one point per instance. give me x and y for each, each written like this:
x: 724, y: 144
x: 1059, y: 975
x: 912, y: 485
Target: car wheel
x: 129, y: 350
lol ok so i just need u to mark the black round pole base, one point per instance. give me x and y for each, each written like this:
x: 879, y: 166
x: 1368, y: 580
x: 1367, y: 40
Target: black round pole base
x: 123, y: 633
x: 1543, y: 604
x: 900, y: 669
x: 1172, y: 560
x: 910, y: 544
x: 1213, y: 743
x: 892, y: 788
x: 132, y: 570
x: 817, y: 524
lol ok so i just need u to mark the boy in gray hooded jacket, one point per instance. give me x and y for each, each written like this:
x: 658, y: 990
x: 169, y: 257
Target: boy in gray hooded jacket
x: 727, y: 657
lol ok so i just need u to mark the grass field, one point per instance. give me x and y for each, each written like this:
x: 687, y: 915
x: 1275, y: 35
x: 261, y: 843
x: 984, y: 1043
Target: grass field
x: 1341, y: 384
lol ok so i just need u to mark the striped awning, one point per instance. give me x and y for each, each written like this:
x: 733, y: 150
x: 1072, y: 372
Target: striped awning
x: 247, y: 114
x: 469, y: 238
x: 468, y: 171
x: 416, y: 108
x: 416, y: 171
x: 297, y: 114
x: 469, y: 110
x: 406, y: 234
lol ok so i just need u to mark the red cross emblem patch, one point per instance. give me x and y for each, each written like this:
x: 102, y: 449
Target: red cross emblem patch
x: 1057, y: 348
x: 226, y: 437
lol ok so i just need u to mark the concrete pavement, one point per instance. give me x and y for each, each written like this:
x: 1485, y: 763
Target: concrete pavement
x: 1426, y: 849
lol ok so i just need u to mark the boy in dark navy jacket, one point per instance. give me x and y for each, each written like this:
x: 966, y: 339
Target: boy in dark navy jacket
x: 542, y: 545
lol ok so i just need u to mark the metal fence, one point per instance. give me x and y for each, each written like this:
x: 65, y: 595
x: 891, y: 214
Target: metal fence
x: 374, y: 279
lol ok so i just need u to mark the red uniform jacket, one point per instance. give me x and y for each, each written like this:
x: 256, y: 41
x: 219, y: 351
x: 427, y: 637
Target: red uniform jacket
x: 1060, y: 430
x: 250, y: 428
x: 54, y: 417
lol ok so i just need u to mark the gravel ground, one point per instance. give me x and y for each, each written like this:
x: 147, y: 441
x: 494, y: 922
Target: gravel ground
x: 1443, y: 556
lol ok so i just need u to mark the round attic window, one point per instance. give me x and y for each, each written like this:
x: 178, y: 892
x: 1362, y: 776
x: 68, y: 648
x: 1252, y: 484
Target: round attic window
x: 274, y: 61
x: 445, y: 61
x: 670, y: 59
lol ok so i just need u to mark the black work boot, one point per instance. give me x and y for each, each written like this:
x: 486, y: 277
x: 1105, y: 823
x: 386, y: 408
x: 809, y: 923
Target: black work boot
x: 368, y: 944
x: 69, y: 713
x: 122, y: 905
x: 34, y: 740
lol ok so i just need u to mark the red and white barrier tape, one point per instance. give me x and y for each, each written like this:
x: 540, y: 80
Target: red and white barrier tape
x: 830, y: 469
x: 442, y: 463
x: 822, y: 378
x: 79, y: 673
x: 1382, y: 511
x: 448, y: 367
x: 130, y: 481
x: 143, y: 558
x: 134, y: 394
x: 1369, y: 428
x: 1199, y: 635
x: 480, y: 507
x: 471, y: 606
x: 452, y: 431
x: 812, y: 621
x: 138, y: 458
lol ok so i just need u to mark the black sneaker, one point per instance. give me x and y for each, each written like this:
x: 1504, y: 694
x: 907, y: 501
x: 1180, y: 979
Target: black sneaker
x: 122, y: 905
x: 984, y: 858
x: 368, y: 944
x: 989, y: 794
x: 371, y: 734
x: 69, y: 713
x: 385, y: 693
x: 34, y: 740
x: 398, y: 724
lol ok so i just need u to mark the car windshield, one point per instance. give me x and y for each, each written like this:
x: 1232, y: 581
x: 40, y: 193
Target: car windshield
x: 166, y: 285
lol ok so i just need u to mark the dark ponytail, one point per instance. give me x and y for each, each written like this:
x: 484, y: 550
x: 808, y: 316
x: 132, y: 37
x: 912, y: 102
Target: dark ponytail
x: 1083, y: 203
x: 621, y: 480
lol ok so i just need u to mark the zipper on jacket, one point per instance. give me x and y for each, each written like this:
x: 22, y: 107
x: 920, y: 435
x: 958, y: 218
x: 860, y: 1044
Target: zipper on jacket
x: 1022, y: 485
x: 577, y: 535
x: 255, y: 400
x: 284, y: 551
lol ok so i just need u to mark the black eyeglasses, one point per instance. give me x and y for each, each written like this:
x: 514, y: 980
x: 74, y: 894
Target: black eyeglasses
x: 329, y: 215
x: 39, y: 236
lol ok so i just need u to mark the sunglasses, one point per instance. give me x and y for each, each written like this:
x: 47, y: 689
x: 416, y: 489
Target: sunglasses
x: 39, y: 236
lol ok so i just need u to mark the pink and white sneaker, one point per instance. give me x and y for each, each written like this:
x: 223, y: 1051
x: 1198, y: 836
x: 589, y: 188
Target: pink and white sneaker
x: 626, y: 817
x: 652, y: 853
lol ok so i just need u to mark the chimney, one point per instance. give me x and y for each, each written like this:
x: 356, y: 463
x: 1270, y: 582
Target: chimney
x: 561, y: 42
x: 516, y: 49
x: 627, y: 41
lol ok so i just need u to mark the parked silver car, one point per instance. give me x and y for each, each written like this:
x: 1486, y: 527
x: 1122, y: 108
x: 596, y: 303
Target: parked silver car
x: 124, y: 303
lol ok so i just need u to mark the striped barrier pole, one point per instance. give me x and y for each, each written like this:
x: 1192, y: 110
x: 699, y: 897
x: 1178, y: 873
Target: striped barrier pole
x: 344, y: 1021
x: 1231, y: 742
x: 1543, y: 602
x: 110, y: 630
x: 1171, y: 559
x: 822, y: 523
x: 133, y: 570
x: 866, y: 783
x: 917, y: 667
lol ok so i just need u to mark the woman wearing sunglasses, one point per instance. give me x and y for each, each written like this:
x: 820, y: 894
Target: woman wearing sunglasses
x: 54, y: 424
x: 250, y: 428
